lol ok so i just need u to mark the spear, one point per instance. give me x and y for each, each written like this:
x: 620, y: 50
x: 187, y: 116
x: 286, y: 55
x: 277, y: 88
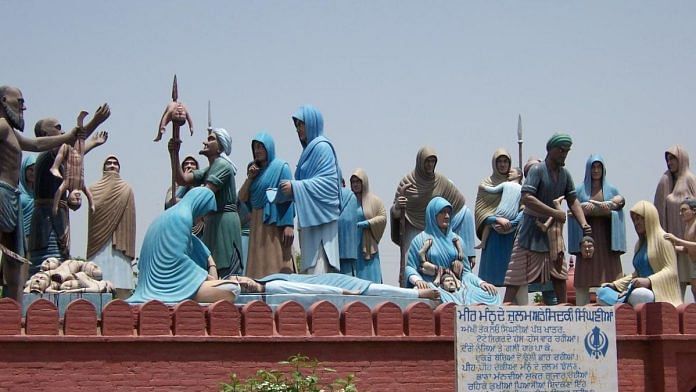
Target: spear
x: 210, y: 120
x: 175, y: 132
x: 519, y: 138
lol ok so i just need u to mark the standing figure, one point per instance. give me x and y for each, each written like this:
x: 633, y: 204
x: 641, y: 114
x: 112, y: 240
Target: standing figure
x: 414, y: 193
x: 271, y: 224
x: 439, y: 246
x: 315, y: 192
x: 655, y: 277
x: 602, y: 205
x: 26, y: 197
x: 687, y: 244
x: 12, y: 143
x: 50, y: 233
x: 372, y: 220
x: 495, y: 255
x: 74, y: 180
x: 348, y: 240
x: 111, y: 228
x: 676, y: 184
x: 222, y: 230
x: 531, y: 261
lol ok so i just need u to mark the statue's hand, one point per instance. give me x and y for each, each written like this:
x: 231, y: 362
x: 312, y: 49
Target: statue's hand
x: 174, y: 146
x: 489, y: 288
x: 100, y: 137
x: 457, y: 268
x: 102, y: 113
x: 421, y: 284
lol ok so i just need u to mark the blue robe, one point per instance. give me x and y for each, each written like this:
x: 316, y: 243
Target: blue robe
x: 344, y: 282
x: 316, y: 191
x: 618, y: 226
x: 366, y: 269
x: 173, y: 262
x: 348, y: 234
x: 442, y: 253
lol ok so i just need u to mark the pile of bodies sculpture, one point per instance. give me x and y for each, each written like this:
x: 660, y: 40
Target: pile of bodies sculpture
x: 74, y: 180
x: 70, y: 276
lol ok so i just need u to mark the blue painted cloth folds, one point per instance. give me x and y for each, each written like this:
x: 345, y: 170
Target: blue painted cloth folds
x: 316, y: 185
x: 276, y: 170
x: 171, y: 267
x: 26, y: 197
x: 618, y: 225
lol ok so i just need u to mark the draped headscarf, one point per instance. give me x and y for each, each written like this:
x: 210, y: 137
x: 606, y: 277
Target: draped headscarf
x: 269, y: 177
x: 618, y: 226
x: 375, y: 214
x: 424, y: 187
x: 486, y: 203
x: 114, y: 217
x: 225, y: 142
x: 170, y: 259
x: 661, y: 257
x: 316, y: 185
x: 672, y: 190
x: 26, y: 196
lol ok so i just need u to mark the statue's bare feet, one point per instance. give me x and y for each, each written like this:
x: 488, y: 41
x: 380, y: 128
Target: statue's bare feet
x: 159, y: 136
x: 433, y: 294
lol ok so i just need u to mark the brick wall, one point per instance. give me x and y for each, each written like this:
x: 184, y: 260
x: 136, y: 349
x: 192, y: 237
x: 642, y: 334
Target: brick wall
x: 191, y: 347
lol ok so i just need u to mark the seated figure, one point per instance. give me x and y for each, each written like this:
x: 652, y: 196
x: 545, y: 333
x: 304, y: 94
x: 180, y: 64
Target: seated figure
x: 174, y: 264
x: 439, y: 246
x: 655, y: 278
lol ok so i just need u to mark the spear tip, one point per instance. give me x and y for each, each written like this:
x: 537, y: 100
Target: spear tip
x: 175, y: 90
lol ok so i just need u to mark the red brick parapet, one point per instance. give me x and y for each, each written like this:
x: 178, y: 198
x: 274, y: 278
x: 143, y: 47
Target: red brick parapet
x: 387, y: 348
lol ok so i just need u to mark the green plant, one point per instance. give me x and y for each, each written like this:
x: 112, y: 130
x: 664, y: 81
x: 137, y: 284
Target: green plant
x: 302, y: 377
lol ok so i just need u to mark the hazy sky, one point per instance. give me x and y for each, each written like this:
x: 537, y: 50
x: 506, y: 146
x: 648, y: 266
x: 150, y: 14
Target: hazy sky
x: 388, y: 76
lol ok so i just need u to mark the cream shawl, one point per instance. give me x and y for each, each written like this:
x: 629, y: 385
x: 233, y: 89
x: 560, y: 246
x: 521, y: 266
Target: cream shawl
x: 114, y: 216
x: 672, y: 190
x: 486, y: 203
x: 661, y: 256
x: 375, y: 214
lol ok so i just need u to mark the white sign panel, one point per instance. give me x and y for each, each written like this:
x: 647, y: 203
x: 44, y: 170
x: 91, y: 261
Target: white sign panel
x: 536, y: 348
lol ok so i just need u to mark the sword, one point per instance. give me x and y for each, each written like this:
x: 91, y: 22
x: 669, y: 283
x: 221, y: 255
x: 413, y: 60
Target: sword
x: 210, y: 119
x: 519, y: 139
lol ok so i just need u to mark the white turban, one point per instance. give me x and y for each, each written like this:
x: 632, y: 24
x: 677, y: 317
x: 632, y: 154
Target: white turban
x: 225, y: 142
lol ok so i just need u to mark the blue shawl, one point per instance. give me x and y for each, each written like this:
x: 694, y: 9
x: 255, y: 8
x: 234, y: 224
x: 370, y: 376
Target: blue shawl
x: 618, y: 226
x: 280, y: 214
x: 463, y: 225
x: 348, y: 233
x: 170, y: 260
x: 26, y: 197
x: 316, y: 185
x: 442, y: 252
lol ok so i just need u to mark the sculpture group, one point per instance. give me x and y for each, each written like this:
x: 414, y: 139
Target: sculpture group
x: 215, y: 241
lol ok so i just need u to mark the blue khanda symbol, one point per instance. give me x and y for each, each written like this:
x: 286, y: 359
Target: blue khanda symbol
x: 596, y: 343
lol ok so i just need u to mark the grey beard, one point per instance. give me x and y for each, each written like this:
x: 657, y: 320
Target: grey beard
x: 14, y: 118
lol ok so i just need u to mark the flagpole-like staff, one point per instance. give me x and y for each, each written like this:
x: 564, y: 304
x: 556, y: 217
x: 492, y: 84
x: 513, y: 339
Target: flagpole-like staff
x: 519, y: 139
x: 175, y: 132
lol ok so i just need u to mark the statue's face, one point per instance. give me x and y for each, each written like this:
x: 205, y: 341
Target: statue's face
x: 13, y: 105
x: 356, y: 185
x: 75, y: 200
x: 50, y: 263
x: 301, y: 133
x: 448, y: 284
x: 597, y: 171
x: 39, y: 282
x: 259, y: 150
x: 443, y: 218
x: 638, y: 223
x: 29, y: 176
x: 672, y: 163
x: 211, y: 146
x: 248, y: 285
x: 502, y: 164
x: 587, y: 249
x: 93, y: 270
x: 514, y: 175
x: 189, y: 165
x: 558, y: 155
x: 179, y: 115
x: 429, y: 165
x: 687, y: 213
x: 112, y: 165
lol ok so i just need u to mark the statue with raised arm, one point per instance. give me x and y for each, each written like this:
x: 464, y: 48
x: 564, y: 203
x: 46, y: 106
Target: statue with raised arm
x: 74, y: 179
x: 12, y: 143
x: 50, y: 233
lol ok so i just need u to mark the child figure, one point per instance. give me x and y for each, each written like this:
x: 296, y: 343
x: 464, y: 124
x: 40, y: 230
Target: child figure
x: 177, y: 113
x: 509, y: 205
x: 74, y: 181
x: 554, y: 232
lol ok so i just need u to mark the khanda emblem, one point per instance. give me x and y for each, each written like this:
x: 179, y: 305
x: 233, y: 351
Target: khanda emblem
x: 596, y: 343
